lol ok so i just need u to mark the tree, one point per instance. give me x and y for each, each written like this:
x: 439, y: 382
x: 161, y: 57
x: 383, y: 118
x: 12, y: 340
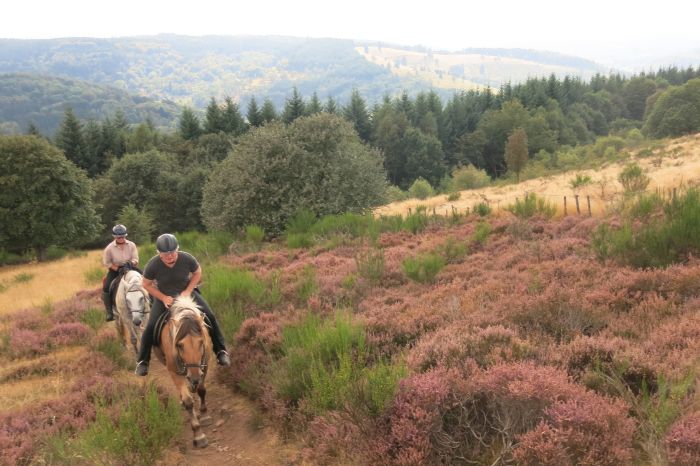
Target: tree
x: 314, y: 105
x: 675, y: 112
x: 268, y: 111
x: 356, y: 113
x: 254, y: 115
x: 635, y: 94
x: 331, y: 106
x: 316, y: 163
x: 189, y: 125
x: 214, y: 119
x: 44, y: 198
x: 233, y: 122
x: 69, y: 139
x: 294, y: 107
x: 516, y: 152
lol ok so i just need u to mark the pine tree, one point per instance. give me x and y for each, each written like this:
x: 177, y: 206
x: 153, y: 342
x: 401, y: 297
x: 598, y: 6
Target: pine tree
x: 516, y: 152
x: 32, y: 130
x: 331, y: 106
x: 189, y: 125
x: 356, y: 112
x: 314, y: 105
x: 214, y: 119
x: 70, y: 139
x: 94, y: 149
x: 233, y: 120
x: 268, y: 111
x: 254, y: 115
x: 294, y: 107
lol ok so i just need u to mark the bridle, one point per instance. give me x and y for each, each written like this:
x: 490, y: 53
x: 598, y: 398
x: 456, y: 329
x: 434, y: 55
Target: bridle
x: 180, y: 366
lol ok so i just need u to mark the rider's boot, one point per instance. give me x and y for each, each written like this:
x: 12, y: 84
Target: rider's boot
x: 107, y: 301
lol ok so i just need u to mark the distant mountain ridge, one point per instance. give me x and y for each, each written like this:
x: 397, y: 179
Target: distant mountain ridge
x: 190, y: 70
x: 42, y: 100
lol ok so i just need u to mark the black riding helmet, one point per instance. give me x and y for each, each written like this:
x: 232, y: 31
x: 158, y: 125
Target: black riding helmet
x: 119, y: 230
x: 167, y: 243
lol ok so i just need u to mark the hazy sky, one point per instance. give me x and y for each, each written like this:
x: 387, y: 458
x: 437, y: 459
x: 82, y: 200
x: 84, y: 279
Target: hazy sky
x: 593, y: 29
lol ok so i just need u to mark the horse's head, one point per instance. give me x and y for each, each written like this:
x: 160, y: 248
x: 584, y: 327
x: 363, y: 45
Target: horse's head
x: 135, y: 296
x: 191, y: 341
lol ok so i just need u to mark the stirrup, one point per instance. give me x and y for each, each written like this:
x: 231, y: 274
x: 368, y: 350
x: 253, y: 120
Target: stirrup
x: 222, y: 358
x: 141, y: 368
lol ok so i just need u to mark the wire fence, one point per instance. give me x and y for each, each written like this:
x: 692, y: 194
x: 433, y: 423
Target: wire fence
x: 565, y: 204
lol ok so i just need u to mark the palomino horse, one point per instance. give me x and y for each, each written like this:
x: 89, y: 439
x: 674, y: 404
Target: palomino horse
x: 184, y: 348
x: 132, y: 304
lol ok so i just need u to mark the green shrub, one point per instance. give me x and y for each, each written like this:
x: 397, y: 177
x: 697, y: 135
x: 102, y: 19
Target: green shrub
x: 454, y: 196
x: 136, y: 433
x: 93, y: 318
x: 111, y: 347
x: 481, y: 232
x: 8, y: 258
x: 23, y: 277
x: 320, y: 361
x: 452, y: 250
x: 645, y: 206
x: 301, y: 222
x: 306, y: 284
x: 469, y: 177
x: 415, y: 223
x: 206, y: 247
x: 580, y: 181
x: 482, y: 209
x: 532, y: 205
x: 633, y: 179
x: 299, y: 240
x: 54, y: 253
x: 659, y: 243
x: 421, y: 189
x: 379, y: 385
x: 254, y: 234
x: 349, y: 224
x: 94, y: 274
x: 393, y: 223
x: 3, y: 287
x: 423, y: 268
x: 396, y: 194
x: 370, y: 265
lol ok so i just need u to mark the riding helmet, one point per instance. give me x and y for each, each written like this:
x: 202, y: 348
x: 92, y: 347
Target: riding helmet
x: 167, y: 243
x: 119, y: 230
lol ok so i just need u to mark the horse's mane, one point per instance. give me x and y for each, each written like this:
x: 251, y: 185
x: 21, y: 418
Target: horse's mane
x: 185, y: 312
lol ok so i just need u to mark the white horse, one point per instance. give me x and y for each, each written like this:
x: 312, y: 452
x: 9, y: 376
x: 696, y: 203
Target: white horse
x: 132, y: 306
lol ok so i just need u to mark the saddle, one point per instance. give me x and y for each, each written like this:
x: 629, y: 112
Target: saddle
x: 158, y: 328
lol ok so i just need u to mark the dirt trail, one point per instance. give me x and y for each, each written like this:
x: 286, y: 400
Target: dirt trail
x: 235, y: 436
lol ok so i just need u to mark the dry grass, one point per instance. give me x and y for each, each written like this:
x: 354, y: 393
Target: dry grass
x: 52, y: 281
x: 673, y: 172
x: 26, y: 391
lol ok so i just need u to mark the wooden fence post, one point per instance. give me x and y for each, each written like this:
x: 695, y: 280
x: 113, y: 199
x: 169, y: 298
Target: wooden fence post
x: 578, y: 210
x: 409, y: 211
x: 588, y: 199
x: 674, y: 194
x: 565, y: 213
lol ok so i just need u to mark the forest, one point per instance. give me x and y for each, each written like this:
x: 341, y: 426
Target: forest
x: 404, y: 140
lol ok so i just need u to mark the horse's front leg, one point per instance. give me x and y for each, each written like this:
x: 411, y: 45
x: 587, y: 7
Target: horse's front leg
x: 200, y: 440
x: 204, y: 417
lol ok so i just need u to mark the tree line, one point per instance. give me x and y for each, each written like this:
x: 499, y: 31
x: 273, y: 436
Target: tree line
x: 399, y: 139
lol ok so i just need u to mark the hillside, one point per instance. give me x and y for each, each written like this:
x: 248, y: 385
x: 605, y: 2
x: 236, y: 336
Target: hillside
x: 189, y: 70
x: 42, y: 100
x: 674, y: 164
x: 476, y: 68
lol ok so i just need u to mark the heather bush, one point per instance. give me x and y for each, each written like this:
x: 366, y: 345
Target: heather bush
x: 135, y: 433
x: 107, y: 343
x: 73, y: 333
x: 683, y: 441
x: 24, y: 343
x: 423, y: 268
x: 587, y: 430
x: 458, y: 345
x: 532, y: 205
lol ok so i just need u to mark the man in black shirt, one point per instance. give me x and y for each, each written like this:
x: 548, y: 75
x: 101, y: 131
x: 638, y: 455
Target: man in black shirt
x: 170, y: 274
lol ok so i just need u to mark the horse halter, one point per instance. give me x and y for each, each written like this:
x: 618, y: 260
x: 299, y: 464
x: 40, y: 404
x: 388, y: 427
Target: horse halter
x: 181, y: 367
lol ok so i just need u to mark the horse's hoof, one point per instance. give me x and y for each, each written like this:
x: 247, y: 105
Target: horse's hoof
x: 201, y: 442
x: 205, y: 420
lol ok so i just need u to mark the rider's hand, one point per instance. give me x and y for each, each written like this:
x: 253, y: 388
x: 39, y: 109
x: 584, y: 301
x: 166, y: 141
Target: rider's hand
x: 134, y: 262
x: 168, y: 301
